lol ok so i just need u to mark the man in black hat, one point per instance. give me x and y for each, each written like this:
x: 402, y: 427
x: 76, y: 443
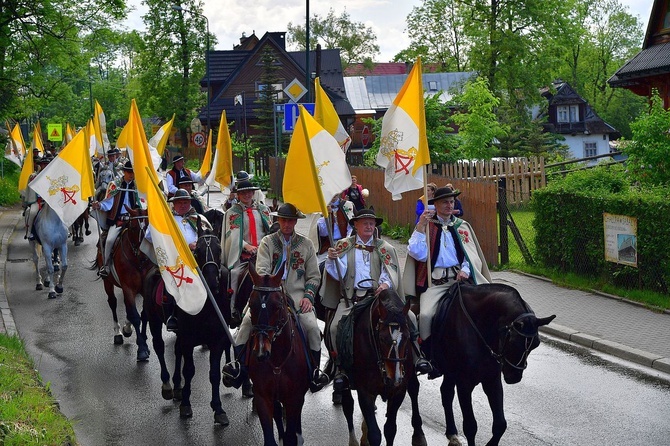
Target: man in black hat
x: 178, y: 173
x: 259, y: 195
x: 244, y: 225
x: 367, y: 265
x: 196, y: 199
x: 121, y: 193
x: 455, y: 256
x: 301, y: 281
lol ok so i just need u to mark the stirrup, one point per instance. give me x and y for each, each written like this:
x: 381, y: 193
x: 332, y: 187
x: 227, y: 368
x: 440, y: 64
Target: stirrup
x: 423, y: 367
x: 319, y: 381
x: 171, y: 324
x: 231, y: 374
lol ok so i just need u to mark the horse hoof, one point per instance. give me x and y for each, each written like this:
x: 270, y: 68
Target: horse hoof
x: 127, y: 331
x: 46, y: 283
x: 52, y: 295
x: 185, y: 412
x: 142, y: 355
x: 221, y: 418
x: 419, y: 440
x: 56, y: 268
x: 248, y: 389
x: 166, y: 391
x: 59, y: 289
x: 177, y: 394
x: 88, y: 232
x: 77, y: 242
x: 118, y: 339
x: 39, y: 287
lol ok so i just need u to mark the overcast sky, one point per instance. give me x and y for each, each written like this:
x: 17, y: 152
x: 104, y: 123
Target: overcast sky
x: 228, y: 19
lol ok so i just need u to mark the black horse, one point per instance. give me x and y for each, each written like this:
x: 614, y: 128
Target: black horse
x: 487, y: 330
x: 204, y: 328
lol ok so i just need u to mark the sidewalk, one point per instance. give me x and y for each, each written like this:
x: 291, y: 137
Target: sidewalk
x: 605, y: 323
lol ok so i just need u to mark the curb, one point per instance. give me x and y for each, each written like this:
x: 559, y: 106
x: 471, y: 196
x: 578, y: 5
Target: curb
x: 8, y: 325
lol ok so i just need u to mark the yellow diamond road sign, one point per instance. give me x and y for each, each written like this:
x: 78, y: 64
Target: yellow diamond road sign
x: 295, y: 90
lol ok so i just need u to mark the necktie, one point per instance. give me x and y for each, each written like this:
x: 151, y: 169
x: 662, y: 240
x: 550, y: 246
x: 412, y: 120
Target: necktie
x: 252, y: 227
x: 364, y: 247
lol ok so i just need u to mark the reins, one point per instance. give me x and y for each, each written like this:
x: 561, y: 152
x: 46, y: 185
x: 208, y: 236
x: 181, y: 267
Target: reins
x: 507, y: 330
x: 264, y: 330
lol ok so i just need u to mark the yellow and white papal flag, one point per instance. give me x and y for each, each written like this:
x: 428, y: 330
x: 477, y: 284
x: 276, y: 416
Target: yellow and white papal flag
x: 316, y: 169
x: 403, y: 149
x: 17, y: 147
x: 325, y: 114
x: 67, y: 181
x: 160, y: 139
x: 176, y: 262
x: 206, y: 165
x: 222, y: 167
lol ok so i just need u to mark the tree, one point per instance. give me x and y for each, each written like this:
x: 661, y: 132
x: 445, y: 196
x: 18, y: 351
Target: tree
x: 41, y: 57
x: 435, y: 29
x: 478, y: 125
x: 649, y: 151
x: 171, y: 62
x: 357, y: 42
x: 269, y: 86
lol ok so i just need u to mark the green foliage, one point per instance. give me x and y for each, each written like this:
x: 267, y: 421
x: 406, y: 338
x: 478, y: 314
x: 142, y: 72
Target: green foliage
x: 478, y: 125
x: 356, y: 41
x: 570, y: 233
x: 28, y: 413
x: 262, y: 181
x: 401, y: 233
x: 270, y: 86
x: 649, y: 152
x: 9, y: 194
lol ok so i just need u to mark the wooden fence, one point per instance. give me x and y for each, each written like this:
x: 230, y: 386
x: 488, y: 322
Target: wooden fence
x: 478, y: 197
x: 522, y: 175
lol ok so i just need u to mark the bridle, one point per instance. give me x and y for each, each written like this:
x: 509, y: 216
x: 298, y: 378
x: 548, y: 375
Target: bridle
x: 210, y: 240
x: 506, y: 332
x: 271, y: 332
x: 391, y: 353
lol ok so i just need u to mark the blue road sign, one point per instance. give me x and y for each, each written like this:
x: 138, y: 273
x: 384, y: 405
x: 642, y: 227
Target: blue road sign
x: 291, y: 114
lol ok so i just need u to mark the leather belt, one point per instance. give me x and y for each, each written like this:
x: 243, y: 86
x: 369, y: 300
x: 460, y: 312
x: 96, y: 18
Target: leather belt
x: 451, y: 273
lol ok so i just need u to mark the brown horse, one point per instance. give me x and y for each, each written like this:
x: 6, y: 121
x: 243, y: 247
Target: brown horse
x: 204, y: 328
x: 382, y: 365
x: 77, y: 228
x: 488, y: 330
x: 277, y: 359
x: 129, y: 270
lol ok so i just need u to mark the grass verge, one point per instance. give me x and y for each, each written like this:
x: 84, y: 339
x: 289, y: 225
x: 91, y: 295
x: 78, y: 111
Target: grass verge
x: 29, y: 415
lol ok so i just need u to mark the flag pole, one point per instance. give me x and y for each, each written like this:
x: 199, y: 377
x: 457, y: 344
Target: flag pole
x: 216, y: 307
x: 425, y: 207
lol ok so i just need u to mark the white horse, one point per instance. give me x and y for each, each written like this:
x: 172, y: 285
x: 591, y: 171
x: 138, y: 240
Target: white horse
x: 52, y: 234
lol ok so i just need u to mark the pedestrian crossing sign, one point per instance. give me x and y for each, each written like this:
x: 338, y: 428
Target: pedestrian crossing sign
x: 55, y: 132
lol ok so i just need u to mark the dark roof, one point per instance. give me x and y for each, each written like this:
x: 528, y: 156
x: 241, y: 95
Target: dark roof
x: 225, y: 66
x: 652, y: 61
x: 565, y: 95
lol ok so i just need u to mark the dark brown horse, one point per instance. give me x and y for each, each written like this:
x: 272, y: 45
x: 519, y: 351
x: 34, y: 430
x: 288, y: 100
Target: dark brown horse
x: 204, y: 328
x: 382, y: 365
x: 488, y: 330
x: 129, y: 271
x: 277, y: 359
x: 77, y: 228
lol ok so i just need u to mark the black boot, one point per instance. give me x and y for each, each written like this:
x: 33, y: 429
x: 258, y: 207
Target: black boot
x: 319, y: 380
x: 426, y: 353
x: 421, y: 364
x: 235, y: 372
x: 168, y: 310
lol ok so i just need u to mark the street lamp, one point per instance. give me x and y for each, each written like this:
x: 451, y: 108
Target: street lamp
x: 180, y: 9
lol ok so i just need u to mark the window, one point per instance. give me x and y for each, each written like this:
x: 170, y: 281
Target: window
x: 432, y: 86
x: 278, y: 88
x: 590, y: 149
x: 567, y: 113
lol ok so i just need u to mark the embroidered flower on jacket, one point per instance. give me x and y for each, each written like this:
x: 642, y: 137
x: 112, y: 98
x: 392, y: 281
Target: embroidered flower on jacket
x: 465, y: 235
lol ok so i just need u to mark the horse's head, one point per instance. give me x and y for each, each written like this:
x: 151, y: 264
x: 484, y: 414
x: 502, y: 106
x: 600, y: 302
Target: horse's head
x: 215, y: 217
x: 269, y: 312
x: 391, y: 336
x: 207, y: 254
x: 517, y: 340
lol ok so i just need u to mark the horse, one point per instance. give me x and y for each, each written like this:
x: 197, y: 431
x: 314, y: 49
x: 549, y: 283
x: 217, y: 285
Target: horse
x: 128, y: 271
x: 52, y: 236
x: 204, y: 328
x: 488, y: 330
x: 276, y: 359
x: 78, y: 227
x: 381, y: 365
x: 102, y: 180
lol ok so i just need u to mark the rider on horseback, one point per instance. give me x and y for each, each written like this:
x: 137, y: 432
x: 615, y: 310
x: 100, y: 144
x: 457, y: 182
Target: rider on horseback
x: 179, y: 173
x: 244, y: 225
x: 32, y: 201
x: 186, y: 218
x: 341, y: 212
x: 374, y: 261
x: 121, y: 194
x: 297, y: 255
x: 455, y: 257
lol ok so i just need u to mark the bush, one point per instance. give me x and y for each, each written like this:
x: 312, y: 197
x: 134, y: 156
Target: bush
x: 569, y: 230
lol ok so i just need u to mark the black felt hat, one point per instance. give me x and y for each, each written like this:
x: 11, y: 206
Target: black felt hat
x: 444, y: 192
x: 366, y: 213
x: 287, y: 210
